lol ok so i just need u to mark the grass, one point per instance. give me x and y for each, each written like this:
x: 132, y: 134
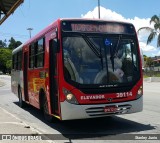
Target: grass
x: 145, y: 76
x: 151, y: 75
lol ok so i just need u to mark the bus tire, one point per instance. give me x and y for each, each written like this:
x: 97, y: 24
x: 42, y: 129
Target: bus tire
x: 47, y: 117
x: 21, y: 102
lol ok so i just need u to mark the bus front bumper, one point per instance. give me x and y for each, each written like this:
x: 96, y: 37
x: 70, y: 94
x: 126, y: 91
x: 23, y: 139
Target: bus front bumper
x: 72, y: 111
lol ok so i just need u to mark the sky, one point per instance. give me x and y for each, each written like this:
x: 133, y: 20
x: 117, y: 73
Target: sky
x: 38, y: 14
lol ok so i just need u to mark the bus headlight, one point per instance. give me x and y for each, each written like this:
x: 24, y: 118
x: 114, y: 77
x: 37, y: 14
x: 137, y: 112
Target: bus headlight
x: 70, y: 97
x: 140, y: 92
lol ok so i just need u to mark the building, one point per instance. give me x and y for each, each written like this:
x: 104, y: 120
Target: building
x: 156, y: 61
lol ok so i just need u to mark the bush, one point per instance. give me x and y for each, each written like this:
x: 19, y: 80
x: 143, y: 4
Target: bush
x: 151, y: 74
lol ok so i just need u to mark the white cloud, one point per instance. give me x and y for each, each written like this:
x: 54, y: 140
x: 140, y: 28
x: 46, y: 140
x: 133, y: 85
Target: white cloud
x: 136, y: 21
x: 146, y: 48
x: 112, y: 15
x: 158, y: 54
x: 149, y: 50
x: 105, y: 14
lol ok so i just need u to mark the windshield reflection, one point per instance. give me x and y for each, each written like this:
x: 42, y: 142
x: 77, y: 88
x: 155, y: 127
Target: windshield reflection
x: 100, y: 60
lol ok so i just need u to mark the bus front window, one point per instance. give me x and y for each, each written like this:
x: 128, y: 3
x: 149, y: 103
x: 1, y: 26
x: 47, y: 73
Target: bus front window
x: 80, y: 62
x: 100, y: 60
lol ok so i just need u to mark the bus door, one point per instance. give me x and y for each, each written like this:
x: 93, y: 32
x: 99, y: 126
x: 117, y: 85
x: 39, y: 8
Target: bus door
x: 25, y: 75
x: 53, y: 76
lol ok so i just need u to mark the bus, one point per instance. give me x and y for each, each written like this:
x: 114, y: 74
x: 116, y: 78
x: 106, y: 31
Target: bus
x: 80, y: 68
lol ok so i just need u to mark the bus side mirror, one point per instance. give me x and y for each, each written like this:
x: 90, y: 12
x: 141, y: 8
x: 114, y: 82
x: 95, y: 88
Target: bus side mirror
x: 56, y: 45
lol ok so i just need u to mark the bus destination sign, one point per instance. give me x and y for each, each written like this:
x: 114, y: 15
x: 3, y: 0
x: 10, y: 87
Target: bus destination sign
x: 110, y: 27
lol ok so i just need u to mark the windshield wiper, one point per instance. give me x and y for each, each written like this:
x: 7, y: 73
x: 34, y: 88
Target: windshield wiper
x: 113, y: 52
x: 92, y: 46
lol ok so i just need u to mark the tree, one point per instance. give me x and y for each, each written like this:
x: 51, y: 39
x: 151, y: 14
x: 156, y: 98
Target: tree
x: 145, y: 58
x: 149, y: 62
x: 6, y: 54
x: 3, y: 44
x: 18, y: 43
x: 13, y: 43
x: 9, y: 66
x: 5, y: 60
x: 153, y: 31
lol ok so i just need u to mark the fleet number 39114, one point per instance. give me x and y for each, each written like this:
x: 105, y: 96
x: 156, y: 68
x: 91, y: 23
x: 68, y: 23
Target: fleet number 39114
x: 124, y: 94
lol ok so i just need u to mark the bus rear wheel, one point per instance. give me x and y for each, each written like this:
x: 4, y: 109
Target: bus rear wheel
x: 47, y: 117
x: 21, y: 102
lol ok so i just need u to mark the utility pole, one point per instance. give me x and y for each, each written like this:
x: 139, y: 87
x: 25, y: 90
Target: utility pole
x: 99, y: 15
x: 30, y: 29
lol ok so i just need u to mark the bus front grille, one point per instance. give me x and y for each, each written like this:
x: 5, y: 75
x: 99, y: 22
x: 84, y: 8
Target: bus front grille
x: 99, y: 111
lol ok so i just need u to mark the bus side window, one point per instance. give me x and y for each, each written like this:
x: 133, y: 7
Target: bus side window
x: 39, y: 56
x: 13, y: 61
x: 19, y: 60
x: 31, y: 55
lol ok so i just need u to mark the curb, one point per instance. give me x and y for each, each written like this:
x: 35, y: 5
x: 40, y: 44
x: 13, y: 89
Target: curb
x: 152, y: 79
x: 10, y: 121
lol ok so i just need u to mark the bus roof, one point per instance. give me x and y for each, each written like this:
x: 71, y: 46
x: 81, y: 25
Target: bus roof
x: 55, y: 24
x: 41, y: 33
x: 17, y: 49
x: 91, y: 19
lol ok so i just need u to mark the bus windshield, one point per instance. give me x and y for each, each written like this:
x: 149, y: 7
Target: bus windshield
x: 110, y: 59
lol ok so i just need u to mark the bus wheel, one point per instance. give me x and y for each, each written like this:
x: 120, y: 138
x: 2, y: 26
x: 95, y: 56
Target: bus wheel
x: 21, y: 102
x: 47, y: 117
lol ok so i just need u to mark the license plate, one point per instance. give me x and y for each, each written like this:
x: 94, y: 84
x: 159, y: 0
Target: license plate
x: 110, y: 109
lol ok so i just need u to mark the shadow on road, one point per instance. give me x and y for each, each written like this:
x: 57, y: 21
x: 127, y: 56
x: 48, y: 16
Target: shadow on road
x: 91, y: 128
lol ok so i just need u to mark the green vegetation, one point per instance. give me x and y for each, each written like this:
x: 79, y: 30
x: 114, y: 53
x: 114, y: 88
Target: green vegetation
x: 145, y: 76
x: 151, y: 74
x: 148, y: 62
x: 6, y: 54
x: 13, y: 43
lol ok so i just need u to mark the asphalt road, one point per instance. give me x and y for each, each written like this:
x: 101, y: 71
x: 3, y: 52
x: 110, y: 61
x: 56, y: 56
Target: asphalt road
x: 99, y: 130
